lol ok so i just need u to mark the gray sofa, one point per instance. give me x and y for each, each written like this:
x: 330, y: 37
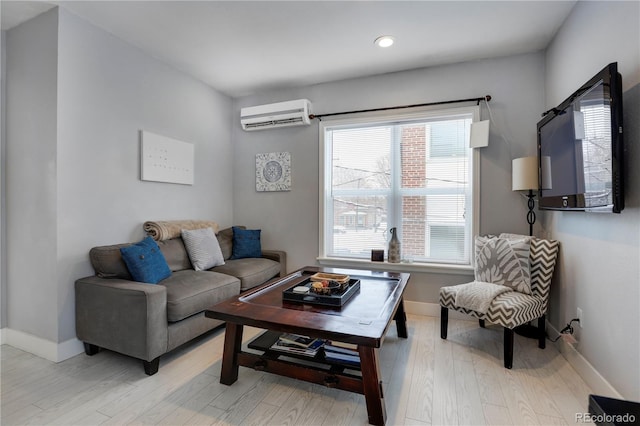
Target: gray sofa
x: 146, y: 321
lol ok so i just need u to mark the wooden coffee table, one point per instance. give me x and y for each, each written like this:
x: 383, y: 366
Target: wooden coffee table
x: 363, y: 320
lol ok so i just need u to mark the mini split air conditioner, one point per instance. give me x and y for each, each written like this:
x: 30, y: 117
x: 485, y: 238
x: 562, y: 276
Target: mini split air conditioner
x: 281, y: 114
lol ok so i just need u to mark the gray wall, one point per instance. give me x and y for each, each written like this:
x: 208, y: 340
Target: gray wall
x: 31, y: 165
x: 290, y: 219
x: 3, y: 180
x: 599, y: 269
x: 77, y: 185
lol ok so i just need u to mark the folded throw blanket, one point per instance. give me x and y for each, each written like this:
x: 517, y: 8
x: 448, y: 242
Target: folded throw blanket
x: 165, y: 230
x: 478, y: 295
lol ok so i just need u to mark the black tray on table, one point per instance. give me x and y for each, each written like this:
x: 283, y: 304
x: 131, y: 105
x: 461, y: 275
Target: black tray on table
x: 333, y: 299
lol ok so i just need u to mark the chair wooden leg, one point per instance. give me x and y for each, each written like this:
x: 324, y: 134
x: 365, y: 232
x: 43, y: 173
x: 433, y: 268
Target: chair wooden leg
x: 481, y: 322
x: 508, y: 348
x: 444, y: 322
x: 542, y: 332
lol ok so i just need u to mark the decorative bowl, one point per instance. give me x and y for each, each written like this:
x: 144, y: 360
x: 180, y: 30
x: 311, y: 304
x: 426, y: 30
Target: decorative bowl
x: 324, y: 276
x: 327, y: 287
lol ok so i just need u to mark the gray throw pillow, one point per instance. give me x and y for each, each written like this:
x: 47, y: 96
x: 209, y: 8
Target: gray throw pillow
x: 203, y: 248
x: 503, y: 261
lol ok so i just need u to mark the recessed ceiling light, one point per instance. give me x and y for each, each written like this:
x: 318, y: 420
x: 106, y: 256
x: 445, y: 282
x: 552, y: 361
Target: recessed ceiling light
x: 384, y: 41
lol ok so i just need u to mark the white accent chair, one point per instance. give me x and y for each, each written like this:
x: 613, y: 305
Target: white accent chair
x: 511, y: 308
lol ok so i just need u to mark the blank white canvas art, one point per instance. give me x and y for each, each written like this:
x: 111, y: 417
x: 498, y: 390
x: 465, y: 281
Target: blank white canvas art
x: 479, y: 134
x: 166, y: 160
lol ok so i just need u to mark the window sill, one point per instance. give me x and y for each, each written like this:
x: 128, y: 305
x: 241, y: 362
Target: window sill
x: 439, y: 268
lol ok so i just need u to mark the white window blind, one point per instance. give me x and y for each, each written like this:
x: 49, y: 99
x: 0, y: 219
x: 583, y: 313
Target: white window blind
x: 413, y: 174
x: 596, y: 150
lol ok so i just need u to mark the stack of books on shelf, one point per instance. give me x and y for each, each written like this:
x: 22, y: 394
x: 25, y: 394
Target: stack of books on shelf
x: 343, y: 353
x: 297, y: 344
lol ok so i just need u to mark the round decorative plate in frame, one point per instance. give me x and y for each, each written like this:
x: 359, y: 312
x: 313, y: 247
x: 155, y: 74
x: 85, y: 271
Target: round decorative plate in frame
x: 273, y: 171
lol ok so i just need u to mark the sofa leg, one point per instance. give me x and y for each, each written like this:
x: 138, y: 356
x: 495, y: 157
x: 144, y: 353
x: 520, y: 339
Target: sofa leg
x: 444, y: 322
x: 481, y: 322
x: 542, y: 332
x: 508, y: 348
x: 151, y: 367
x: 90, y: 349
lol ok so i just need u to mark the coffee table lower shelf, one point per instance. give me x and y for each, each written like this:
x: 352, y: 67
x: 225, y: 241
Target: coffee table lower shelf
x: 311, y: 369
x: 264, y: 341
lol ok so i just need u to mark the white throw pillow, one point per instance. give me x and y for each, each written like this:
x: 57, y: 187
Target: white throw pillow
x: 203, y: 248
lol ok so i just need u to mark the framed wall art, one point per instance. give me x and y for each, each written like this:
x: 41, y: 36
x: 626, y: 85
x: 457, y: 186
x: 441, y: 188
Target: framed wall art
x: 273, y: 172
x: 163, y: 159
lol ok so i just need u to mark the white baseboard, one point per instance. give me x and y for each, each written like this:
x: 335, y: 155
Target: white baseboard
x: 589, y: 374
x: 2, y: 334
x: 43, y: 348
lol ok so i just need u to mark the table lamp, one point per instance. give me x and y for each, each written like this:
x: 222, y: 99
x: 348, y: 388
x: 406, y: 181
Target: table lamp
x: 525, y: 178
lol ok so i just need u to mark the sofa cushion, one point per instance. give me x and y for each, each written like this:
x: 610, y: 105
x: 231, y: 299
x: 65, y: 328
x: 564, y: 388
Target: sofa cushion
x: 190, y: 292
x: 145, y: 261
x: 250, y: 271
x: 246, y: 243
x: 175, y: 253
x: 225, y: 239
x: 107, y: 261
x: 203, y: 248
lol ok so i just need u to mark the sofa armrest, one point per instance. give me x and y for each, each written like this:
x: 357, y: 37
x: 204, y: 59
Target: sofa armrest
x: 278, y: 256
x: 121, y: 315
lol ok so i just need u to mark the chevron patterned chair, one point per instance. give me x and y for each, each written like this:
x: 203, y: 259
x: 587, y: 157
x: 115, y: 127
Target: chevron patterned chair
x: 512, y: 306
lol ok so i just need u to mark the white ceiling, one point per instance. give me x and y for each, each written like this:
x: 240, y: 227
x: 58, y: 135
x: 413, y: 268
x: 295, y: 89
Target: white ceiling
x: 243, y: 47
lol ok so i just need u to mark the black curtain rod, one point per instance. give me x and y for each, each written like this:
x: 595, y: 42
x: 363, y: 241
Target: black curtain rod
x: 484, y: 98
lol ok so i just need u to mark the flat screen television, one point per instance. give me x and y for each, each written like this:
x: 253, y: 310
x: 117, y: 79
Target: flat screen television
x: 580, y: 148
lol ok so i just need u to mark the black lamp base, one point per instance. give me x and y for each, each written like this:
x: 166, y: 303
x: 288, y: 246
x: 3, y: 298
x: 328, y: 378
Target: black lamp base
x: 531, y: 215
x: 527, y: 330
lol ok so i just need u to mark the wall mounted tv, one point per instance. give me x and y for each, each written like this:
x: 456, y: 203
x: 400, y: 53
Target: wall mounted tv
x: 580, y: 149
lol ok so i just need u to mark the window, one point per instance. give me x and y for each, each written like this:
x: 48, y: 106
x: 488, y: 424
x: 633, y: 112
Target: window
x: 412, y: 172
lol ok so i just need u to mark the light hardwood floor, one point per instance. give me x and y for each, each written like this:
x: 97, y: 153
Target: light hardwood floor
x: 459, y: 381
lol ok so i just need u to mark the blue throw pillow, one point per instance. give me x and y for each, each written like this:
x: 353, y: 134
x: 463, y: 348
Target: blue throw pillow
x: 246, y: 243
x: 145, y: 261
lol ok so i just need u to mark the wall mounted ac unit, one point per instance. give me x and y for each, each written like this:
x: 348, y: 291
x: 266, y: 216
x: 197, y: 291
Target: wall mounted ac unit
x: 281, y: 114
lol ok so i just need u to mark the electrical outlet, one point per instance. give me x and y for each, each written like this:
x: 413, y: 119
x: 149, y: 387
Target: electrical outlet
x: 579, y: 316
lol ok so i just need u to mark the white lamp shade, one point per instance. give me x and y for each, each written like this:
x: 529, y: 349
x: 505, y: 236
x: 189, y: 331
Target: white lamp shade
x: 524, y: 174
